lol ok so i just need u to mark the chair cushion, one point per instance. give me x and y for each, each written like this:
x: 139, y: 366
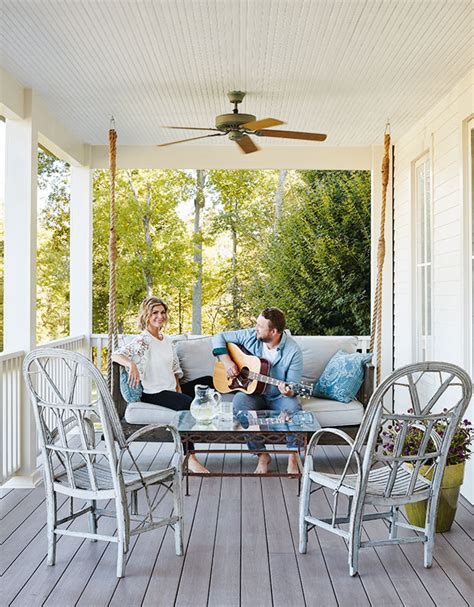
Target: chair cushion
x: 147, y: 413
x: 342, y: 377
x: 318, y: 350
x: 331, y: 414
x: 130, y: 394
x: 195, y: 357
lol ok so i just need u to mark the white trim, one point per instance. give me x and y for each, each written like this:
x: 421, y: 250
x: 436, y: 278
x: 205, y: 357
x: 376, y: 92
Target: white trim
x: 424, y: 159
x: 468, y: 235
x: 316, y: 156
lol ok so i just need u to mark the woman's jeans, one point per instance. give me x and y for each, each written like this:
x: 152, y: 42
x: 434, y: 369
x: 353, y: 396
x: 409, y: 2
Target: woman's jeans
x: 250, y: 402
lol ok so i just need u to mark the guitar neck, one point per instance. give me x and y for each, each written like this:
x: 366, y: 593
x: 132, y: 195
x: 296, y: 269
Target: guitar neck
x: 266, y: 379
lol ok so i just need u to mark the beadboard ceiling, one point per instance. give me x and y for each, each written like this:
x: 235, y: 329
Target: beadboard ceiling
x: 339, y: 67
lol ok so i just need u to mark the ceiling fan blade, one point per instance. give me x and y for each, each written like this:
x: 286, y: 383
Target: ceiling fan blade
x: 187, y: 128
x: 264, y: 123
x: 292, y: 135
x: 247, y: 145
x: 162, y: 145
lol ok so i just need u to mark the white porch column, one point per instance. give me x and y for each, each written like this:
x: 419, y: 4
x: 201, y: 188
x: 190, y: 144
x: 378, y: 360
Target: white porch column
x: 387, y: 292
x: 21, y: 167
x: 81, y: 252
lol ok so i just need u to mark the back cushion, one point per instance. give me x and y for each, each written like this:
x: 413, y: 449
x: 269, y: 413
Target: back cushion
x: 318, y: 351
x: 195, y: 357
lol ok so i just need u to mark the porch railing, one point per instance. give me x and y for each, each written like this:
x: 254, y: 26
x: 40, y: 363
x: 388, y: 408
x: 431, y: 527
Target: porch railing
x: 14, y: 404
x: 10, y: 413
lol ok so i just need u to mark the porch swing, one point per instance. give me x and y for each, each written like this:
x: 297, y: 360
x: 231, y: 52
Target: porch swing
x: 113, y: 371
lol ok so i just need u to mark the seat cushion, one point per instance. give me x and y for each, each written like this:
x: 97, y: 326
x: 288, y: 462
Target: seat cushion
x: 332, y: 414
x: 147, y: 413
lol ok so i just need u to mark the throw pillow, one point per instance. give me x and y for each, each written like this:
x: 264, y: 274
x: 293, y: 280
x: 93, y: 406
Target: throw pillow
x: 342, y: 377
x: 129, y: 393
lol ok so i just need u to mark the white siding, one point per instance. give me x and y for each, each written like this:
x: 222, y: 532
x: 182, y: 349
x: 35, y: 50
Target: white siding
x: 440, y: 133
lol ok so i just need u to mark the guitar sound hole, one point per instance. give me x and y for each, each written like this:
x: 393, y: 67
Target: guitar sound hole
x: 244, y: 372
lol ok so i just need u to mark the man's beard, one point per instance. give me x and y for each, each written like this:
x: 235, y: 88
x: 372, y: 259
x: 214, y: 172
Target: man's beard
x: 265, y: 340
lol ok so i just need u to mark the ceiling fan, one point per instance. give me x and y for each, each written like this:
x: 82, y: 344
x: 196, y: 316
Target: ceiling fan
x: 240, y: 126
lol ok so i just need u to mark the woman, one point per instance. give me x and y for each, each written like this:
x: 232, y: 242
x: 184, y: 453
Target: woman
x: 151, y: 358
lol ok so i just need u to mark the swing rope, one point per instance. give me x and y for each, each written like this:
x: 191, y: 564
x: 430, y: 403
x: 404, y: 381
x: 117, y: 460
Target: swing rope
x: 376, y: 328
x: 112, y: 337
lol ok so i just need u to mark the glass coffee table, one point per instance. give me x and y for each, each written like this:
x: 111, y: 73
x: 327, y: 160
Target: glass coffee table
x: 270, y: 426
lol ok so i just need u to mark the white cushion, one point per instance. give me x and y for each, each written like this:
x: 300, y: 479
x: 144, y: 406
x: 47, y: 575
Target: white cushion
x: 318, y: 350
x: 147, y: 413
x: 195, y: 357
x: 331, y: 413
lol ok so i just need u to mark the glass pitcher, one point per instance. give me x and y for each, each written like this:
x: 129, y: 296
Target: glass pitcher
x: 206, y: 404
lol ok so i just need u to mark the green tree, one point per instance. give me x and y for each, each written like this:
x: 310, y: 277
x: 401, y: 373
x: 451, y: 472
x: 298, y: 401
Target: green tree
x: 243, y: 214
x: 154, y: 246
x: 53, y: 249
x: 318, y: 267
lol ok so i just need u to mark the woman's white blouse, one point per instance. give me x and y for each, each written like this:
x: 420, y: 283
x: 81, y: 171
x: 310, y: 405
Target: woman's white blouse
x: 156, y: 360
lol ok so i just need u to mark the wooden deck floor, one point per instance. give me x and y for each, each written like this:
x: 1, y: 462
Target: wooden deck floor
x: 241, y: 549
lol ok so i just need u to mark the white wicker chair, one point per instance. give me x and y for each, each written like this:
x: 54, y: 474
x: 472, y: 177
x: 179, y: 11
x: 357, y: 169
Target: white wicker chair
x: 389, y: 478
x: 73, y: 465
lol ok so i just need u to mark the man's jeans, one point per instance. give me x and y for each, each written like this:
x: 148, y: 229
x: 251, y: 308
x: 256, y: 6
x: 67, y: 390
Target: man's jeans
x: 251, y: 402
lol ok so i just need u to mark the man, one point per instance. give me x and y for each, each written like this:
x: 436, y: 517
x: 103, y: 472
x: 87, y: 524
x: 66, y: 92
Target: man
x: 268, y: 340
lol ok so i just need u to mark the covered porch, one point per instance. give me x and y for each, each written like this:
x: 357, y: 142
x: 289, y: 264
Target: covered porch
x: 341, y: 68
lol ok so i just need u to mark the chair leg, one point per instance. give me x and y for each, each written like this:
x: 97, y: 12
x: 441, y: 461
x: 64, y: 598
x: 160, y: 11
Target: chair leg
x: 93, y: 519
x: 123, y: 534
x: 51, y: 525
x: 134, y: 502
x: 303, y: 512
x: 393, y: 522
x: 430, y: 526
x: 355, y: 526
x: 178, y: 511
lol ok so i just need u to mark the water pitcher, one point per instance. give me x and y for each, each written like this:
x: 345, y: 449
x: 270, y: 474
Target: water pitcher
x: 206, y: 404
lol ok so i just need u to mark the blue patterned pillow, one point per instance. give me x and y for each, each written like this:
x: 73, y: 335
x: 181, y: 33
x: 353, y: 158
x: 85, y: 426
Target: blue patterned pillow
x: 342, y: 377
x: 131, y: 395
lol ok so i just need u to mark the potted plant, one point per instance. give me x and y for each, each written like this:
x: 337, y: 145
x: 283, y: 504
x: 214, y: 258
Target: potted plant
x: 453, y: 476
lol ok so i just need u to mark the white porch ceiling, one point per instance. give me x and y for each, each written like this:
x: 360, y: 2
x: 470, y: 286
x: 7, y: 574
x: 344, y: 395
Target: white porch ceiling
x: 336, y: 67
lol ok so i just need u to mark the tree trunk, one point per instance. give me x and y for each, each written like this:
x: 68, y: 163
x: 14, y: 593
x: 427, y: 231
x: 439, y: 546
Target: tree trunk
x: 235, y: 280
x: 279, y: 197
x: 199, y: 202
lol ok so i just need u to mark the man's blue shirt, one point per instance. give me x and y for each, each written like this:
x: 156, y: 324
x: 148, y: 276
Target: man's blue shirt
x: 287, y: 366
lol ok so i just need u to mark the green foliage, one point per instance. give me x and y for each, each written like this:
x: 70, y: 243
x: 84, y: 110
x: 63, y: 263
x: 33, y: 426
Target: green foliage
x: 318, y: 265
x: 154, y: 246
x: 53, y: 250
x: 308, y: 253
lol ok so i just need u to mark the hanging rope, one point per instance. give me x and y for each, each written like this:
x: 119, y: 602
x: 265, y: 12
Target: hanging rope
x: 376, y: 329
x: 112, y: 340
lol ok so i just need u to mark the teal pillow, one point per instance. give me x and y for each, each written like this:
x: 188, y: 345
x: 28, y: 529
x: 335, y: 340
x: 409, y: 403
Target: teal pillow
x: 342, y: 377
x: 129, y: 393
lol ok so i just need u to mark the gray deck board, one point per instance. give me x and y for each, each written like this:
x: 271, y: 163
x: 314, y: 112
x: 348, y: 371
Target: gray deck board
x: 241, y: 548
x: 224, y: 587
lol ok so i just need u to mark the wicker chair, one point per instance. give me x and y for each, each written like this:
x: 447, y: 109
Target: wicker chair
x: 66, y: 392
x: 387, y: 472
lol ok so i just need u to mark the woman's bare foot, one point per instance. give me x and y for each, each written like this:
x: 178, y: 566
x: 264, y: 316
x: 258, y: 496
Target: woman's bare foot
x: 263, y: 461
x: 194, y: 465
x: 293, y: 464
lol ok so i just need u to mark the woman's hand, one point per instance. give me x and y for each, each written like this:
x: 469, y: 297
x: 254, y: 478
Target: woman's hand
x: 178, y: 385
x: 133, y: 375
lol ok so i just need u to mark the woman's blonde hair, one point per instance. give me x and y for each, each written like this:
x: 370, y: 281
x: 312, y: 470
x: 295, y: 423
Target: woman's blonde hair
x: 146, y: 309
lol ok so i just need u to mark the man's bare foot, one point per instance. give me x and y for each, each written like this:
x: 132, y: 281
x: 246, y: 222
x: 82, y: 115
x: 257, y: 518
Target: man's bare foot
x: 293, y: 464
x: 194, y: 465
x: 263, y: 461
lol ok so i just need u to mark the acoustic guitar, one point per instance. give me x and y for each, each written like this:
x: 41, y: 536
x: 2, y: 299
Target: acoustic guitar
x: 253, y: 375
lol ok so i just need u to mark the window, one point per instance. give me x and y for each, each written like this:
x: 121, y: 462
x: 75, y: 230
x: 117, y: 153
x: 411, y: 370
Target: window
x: 424, y: 271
